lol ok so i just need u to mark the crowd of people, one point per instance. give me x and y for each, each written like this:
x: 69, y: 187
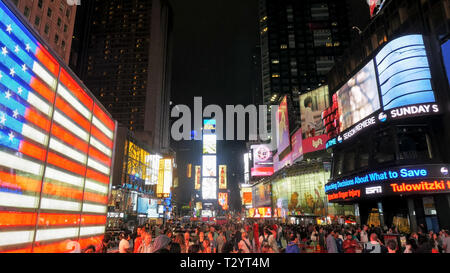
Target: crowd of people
x: 273, y: 237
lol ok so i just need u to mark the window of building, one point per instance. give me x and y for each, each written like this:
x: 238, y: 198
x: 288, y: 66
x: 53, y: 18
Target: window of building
x: 284, y: 46
x: 414, y: 143
x: 37, y: 20
x: 26, y: 12
x: 16, y: 2
x: 59, y: 22
x: 68, y: 13
x: 63, y: 45
x: 49, y: 12
x: 56, y: 38
x: 65, y: 28
x: 46, y: 29
x: 62, y: 6
x: 384, y: 148
x: 40, y: 4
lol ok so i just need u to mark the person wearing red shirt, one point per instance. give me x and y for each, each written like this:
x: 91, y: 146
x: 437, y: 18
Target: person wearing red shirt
x: 138, y: 240
x: 350, y: 245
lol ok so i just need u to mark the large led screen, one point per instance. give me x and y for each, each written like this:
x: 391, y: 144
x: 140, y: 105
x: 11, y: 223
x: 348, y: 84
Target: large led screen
x: 358, y: 98
x: 262, y: 160
x: 152, y: 211
x: 404, y: 73
x: 197, y: 177
x: 209, y: 188
x: 143, y: 204
x: 446, y: 56
x: 209, y: 165
x: 223, y: 177
x: 312, y: 104
x: 261, y: 195
x: 283, y: 126
x: 209, y: 144
x: 56, y: 145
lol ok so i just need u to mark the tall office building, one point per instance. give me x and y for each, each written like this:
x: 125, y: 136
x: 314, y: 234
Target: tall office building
x: 300, y: 42
x: 123, y: 55
x: 54, y: 20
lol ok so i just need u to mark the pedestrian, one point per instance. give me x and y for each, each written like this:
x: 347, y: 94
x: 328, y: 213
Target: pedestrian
x: 350, y: 245
x: 374, y: 245
x: 331, y: 243
x: 138, y: 239
x: 392, y: 246
x: 124, y: 245
x: 409, y: 246
x: 339, y: 241
x: 292, y: 246
x: 146, y: 245
x: 212, y: 242
x: 161, y: 244
x: 364, y: 237
x: 179, y: 239
x: 221, y: 240
x: 102, y: 247
x: 446, y: 242
x: 245, y: 245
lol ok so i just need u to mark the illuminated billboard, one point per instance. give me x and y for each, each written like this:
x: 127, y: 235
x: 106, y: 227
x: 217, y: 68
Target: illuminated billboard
x: 197, y: 177
x: 404, y: 73
x: 246, y: 196
x: 262, y: 212
x: 209, y: 188
x: 223, y: 177
x: 312, y: 104
x: 209, y: 126
x: 283, y: 126
x: 154, y: 169
x: 223, y: 200
x: 358, y: 98
x: 445, y: 49
x: 246, y: 168
x: 261, y: 194
x: 56, y: 148
x: 189, y: 171
x: 297, y: 148
x: 209, y: 144
x: 404, y: 90
x: 209, y: 165
x: 262, y: 160
x: 165, y: 177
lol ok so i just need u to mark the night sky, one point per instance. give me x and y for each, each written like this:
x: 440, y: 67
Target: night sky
x: 212, y: 58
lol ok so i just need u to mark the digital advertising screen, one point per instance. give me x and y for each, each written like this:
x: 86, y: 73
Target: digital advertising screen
x: 209, y: 166
x: 296, y: 143
x: 262, y: 195
x: 312, y: 104
x: 404, y: 73
x: 209, y: 126
x: 209, y: 144
x: 223, y: 177
x: 358, y: 98
x: 189, y: 171
x: 246, y: 196
x: 56, y: 142
x: 168, y: 175
x: 223, y: 200
x: 446, y: 57
x: 152, y: 211
x: 262, y: 160
x: 262, y: 212
x: 143, y: 205
x: 246, y: 168
x: 197, y: 177
x: 283, y: 126
x: 209, y: 188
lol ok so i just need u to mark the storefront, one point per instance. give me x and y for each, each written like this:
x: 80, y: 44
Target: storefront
x: 297, y: 194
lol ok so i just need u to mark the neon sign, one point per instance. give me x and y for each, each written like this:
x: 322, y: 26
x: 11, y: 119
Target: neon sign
x: 406, y: 172
x: 344, y: 195
x: 422, y: 186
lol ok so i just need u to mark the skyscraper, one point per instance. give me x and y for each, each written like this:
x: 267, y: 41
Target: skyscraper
x: 126, y: 63
x: 54, y: 20
x: 300, y: 42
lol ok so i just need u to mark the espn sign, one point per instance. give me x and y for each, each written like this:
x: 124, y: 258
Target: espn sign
x: 374, y: 190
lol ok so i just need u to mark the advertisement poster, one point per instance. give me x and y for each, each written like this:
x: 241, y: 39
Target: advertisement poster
x: 247, y: 197
x: 262, y: 160
x: 223, y: 177
x: 189, y: 171
x: 358, y: 98
x: 312, y: 104
x: 283, y: 126
x: 297, y: 148
x: 278, y: 165
x: 263, y: 212
x: 262, y: 195
x: 223, y: 200
x: 167, y: 176
x: 209, y: 165
x: 209, y: 144
x: 209, y: 188
x: 197, y: 177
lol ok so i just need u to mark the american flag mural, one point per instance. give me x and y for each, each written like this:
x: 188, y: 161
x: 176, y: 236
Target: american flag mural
x: 56, y: 148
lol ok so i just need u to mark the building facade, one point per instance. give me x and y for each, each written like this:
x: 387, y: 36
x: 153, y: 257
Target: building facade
x: 300, y: 42
x: 54, y: 20
x: 389, y: 117
x: 126, y: 63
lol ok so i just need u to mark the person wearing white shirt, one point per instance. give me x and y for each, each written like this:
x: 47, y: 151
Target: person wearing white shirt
x: 124, y: 245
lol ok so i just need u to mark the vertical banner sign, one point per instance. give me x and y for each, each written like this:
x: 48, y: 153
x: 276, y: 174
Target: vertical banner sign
x: 223, y: 200
x: 189, y: 171
x: 197, y: 177
x: 283, y: 126
x: 56, y: 149
x: 222, y: 177
x: 168, y: 177
x: 160, y: 186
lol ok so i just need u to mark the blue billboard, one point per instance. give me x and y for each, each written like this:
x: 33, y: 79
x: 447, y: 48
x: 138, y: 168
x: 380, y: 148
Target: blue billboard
x: 446, y: 56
